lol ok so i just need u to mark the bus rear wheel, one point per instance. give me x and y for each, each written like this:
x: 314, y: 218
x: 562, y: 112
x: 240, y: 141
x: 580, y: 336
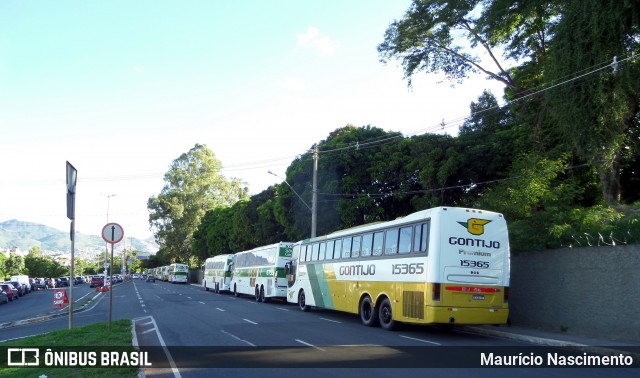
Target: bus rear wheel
x: 205, y: 286
x: 263, y: 299
x: 368, y: 313
x: 235, y: 290
x: 302, y: 302
x: 257, y: 294
x: 386, y: 315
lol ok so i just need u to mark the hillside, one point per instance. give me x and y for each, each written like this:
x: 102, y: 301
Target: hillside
x: 25, y: 235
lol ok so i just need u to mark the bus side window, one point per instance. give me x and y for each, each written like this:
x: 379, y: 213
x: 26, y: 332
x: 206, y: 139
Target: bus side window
x: 367, y: 240
x: 421, y: 238
x: 378, y: 237
x: 323, y: 248
x: 316, y: 249
x: 404, y: 246
x: 296, y: 252
x: 355, y: 247
x: 330, y: 245
x: 346, y: 248
x: 391, y: 242
x: 304, y: 256
x: 338, y: 250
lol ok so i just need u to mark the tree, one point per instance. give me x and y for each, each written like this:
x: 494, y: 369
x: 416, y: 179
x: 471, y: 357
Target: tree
x: 14, y: 265
x: 426, y: 40
x: 193, y: 185
x: 597, y: 114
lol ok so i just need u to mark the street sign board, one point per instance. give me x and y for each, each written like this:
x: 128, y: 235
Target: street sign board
x: 112, y: 233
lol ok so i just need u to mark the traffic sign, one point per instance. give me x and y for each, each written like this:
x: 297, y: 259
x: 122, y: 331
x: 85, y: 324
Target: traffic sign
x: 112, y: 233
x: 60, y: 298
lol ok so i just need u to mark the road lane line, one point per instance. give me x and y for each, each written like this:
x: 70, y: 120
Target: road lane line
x: 237, y: 338
x: 331, y: 320
x: 424, y: 341
x: 220, y: 309
x: 310, y: 345
x: 201, y: 302
x: 249, y: 321
x: 283, y: 309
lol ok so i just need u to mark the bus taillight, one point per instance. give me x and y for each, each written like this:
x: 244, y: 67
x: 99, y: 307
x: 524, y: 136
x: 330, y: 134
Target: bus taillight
x: 506, y: 294
x: 435, y: 294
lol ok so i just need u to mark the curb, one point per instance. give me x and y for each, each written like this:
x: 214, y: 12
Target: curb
x: 548, y: 342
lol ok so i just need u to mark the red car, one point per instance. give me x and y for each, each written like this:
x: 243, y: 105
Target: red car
x: 10, y: 290
x: 96, y: 281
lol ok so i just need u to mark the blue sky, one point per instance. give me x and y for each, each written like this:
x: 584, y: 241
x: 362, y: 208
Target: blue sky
x: 121, y: 88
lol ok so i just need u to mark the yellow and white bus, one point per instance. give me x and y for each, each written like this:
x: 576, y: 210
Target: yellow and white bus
x: 178, y: 273
x: 217, y: 273
x: 260, y: 271
x: 165, y: 273
x: 441, y: 265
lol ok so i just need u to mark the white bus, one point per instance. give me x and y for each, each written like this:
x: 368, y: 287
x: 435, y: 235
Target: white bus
x: 165, y: 273
x: 178, y: 273
x: 260, y: 271
x: 442, y: 265
x: 217, y: 273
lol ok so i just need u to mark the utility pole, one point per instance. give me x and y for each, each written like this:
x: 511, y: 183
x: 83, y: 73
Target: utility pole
x: 314, y: 199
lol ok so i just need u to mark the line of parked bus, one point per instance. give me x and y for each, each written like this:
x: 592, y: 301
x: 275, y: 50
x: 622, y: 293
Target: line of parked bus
x: 437, y: 266
x: 174, y: 273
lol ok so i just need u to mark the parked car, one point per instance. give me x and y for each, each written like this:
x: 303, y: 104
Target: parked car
x: 96, y: 281
x: 151, y: 278
x: 4, y: 298
x: 41, y: 284
x: 21, y: 289
x: 10, y: 290
x: 51, y: 283
x: 64, y: 281
x: 32, y: 283
x: 23, y: 280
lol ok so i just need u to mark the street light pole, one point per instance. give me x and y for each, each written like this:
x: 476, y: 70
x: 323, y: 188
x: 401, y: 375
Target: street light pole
x: 312, y: 210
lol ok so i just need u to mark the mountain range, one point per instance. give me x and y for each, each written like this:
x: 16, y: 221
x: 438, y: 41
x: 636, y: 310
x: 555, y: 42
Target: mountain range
x: 26, y: 235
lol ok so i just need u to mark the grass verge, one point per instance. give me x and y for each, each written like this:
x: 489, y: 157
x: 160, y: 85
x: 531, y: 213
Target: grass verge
x: 80, y: 337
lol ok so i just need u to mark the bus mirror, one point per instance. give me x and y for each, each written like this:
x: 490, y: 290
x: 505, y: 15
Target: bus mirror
x: 287, y: 268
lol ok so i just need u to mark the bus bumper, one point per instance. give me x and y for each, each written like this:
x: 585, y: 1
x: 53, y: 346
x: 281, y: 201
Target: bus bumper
x: 466, y: 315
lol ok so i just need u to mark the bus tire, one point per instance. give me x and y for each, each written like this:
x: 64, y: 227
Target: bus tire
x: 217, y: 290
x: 235, y: 290
x: 385, y: 315
x: 257, y: 294
x: 302, y: 302
x: 205, y: 286
x: 263, y: 299
x: 368, y: 313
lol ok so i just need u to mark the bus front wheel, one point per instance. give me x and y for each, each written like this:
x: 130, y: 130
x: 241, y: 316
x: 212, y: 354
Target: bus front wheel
x: 302, y: 302
x: 386, y: 315
x: 368, y: 313
x: 235, y: 291
x: 205, y: 286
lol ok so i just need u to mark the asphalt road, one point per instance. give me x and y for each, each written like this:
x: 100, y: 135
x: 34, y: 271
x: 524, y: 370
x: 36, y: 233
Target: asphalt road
x: 202, y: 334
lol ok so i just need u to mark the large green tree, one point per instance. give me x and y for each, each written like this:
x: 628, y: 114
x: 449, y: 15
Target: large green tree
x: 192, y: 186
x: 596, y: 114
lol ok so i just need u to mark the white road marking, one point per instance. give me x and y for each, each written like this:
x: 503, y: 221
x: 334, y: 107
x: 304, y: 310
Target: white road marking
x: 249, y: 321
x: 331, y: 320
x: 310, y: 345
x: 424, y: 341
x: 237, y: 338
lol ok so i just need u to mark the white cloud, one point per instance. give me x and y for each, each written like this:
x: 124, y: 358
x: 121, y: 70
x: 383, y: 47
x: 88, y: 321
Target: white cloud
x: 294, y: 84
x: 313, y: 39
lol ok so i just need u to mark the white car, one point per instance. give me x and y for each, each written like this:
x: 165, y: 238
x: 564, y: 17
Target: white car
x: 135, y: 276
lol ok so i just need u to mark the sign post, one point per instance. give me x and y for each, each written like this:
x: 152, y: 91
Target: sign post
x: 112, y: 233
x: 72, y: 178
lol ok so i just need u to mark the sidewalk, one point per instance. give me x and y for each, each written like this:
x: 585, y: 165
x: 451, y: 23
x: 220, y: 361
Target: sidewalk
x: 557, y: 339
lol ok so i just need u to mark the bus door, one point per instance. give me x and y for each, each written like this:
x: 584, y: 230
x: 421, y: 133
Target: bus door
x: 291, y: 266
